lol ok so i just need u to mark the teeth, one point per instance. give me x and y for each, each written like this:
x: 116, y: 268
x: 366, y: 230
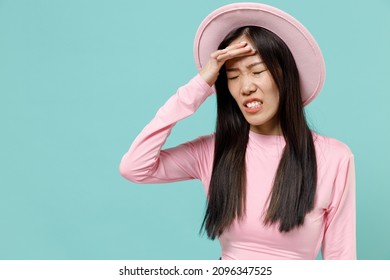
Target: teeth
x: 253, y: 104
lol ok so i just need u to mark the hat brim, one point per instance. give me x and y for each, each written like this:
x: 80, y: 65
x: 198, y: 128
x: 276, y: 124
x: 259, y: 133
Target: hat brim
x: 304, y: 48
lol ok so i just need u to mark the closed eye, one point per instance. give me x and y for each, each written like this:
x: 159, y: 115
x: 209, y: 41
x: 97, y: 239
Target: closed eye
x: 258, y: 72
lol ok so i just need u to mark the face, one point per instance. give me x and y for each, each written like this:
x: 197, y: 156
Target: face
x: 255, y: 91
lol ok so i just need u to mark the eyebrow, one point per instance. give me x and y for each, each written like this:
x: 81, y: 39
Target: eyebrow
x: 249, y: 66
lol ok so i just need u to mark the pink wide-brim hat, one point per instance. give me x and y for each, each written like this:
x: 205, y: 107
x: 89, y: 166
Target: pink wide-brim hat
x: 304, y: 48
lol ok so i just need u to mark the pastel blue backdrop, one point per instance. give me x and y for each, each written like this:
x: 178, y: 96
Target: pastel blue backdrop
x: 80, y: 78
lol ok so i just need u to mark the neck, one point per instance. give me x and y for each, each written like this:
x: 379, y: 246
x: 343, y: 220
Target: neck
x: 274, y: 130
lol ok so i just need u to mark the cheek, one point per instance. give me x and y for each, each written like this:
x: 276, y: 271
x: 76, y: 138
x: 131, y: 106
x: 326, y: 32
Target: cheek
x: 272, y: 91
x: 230, y: 87
x: 275, y: 100
x: 233, y: 90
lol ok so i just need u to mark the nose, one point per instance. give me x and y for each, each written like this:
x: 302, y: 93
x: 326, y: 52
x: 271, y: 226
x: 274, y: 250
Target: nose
x: 248, y: 86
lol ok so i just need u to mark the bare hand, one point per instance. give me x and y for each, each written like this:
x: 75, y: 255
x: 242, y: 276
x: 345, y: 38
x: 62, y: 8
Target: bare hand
x: 210, y: 71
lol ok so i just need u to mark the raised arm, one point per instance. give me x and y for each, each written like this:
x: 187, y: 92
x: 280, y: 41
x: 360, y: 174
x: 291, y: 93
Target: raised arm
x: 145, y: 162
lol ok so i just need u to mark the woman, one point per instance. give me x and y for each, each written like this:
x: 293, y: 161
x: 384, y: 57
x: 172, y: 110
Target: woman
x: 275, y: 189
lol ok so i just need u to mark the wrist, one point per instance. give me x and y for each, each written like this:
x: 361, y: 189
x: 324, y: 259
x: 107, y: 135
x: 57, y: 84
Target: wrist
x: 210, y: 79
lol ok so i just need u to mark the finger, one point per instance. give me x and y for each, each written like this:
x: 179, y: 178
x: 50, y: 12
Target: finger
x: 218, y: 53
x: 229, y: 48
x: 236, y: 46
x: 248, y: 50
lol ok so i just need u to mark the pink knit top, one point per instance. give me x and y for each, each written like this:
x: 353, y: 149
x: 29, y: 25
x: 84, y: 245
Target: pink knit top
x: 330, y: 226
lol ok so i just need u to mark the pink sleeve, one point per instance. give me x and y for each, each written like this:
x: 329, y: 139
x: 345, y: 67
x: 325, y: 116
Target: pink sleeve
x: 145, y: 162
x: 340, y: 230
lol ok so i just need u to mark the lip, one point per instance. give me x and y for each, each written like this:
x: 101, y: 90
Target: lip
x: 252, y: 110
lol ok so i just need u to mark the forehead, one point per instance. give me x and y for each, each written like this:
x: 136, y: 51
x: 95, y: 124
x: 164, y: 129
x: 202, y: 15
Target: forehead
x: 243, y: 61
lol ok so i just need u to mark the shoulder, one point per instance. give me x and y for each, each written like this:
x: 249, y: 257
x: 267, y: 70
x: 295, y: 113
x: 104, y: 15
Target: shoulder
x: 202, y: 148
x: 201, y: 145
x: 331, y: 149
x: 210, y: 138
x: 204, y: 140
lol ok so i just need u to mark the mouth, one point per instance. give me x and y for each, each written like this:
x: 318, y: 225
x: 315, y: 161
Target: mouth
x: 253, y: 103
x: 252, y: 106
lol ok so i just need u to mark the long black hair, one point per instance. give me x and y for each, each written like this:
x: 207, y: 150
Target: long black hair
x: 294, y: 187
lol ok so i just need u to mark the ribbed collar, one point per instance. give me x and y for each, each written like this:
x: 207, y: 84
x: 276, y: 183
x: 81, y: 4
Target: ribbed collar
x: 272, y: 144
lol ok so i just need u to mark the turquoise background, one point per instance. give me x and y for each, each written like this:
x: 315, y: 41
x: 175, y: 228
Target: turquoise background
x: 79, y: 80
